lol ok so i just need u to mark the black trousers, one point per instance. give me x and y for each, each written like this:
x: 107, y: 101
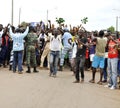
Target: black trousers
x: 80, y: 61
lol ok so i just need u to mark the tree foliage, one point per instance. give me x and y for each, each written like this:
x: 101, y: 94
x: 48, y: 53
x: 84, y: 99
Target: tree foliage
x: 84, y: 20
x: 60, y: 20
x: 111, y: 29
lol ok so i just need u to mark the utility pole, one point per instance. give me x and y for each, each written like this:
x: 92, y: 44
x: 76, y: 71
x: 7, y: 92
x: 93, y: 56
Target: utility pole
x: 117, y: 10
x: 116, y: 23
x: 12, y: 13
x: 47, y: 16
x: 19, y: 16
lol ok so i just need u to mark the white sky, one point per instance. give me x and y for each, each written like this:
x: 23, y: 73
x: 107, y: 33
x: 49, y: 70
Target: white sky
x: 100, y: 13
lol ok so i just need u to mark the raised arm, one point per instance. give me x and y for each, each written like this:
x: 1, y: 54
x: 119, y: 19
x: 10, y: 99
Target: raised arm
x: 26, y: 32
x: 11, y: 32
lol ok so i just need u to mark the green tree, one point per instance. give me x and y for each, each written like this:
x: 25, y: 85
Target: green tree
x: 84, y: 20
x: 60, y: 21
x: 111, y: 29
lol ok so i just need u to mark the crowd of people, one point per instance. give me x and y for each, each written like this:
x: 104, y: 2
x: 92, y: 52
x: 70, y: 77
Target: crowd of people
x: 47, y: 46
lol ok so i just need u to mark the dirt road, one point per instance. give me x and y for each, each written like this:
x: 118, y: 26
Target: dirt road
x: 38, y: 90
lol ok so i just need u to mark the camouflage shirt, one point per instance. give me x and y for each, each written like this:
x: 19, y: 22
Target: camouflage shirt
x: 31, y: 39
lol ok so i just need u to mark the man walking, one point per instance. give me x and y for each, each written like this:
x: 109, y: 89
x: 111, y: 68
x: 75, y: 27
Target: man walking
x: 55, y: 46
x: 80, y: 55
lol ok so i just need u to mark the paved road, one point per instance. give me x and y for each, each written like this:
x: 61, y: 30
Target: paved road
x: 38, y: 90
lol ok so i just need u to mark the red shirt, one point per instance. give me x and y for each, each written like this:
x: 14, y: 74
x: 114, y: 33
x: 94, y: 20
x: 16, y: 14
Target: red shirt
x: 112, y: 51
x: 5, y: 40
x: 87, y: 54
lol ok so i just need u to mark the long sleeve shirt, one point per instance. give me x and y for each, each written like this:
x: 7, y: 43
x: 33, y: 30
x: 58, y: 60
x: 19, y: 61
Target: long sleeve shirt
x: 18, y: 42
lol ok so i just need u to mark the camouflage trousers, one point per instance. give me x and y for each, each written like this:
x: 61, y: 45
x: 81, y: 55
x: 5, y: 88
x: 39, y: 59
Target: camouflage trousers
x: 31, y: 56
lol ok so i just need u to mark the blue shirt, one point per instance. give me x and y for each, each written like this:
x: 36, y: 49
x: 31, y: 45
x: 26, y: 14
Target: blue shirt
x: 65, y: 39
x: 18, y: 42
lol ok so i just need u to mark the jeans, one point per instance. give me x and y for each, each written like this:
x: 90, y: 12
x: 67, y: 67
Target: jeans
x: 105, y: 69
x: 119, y: 67
x: 17, y: 60
x: 3, y: 54
x: 80, y: 61
x: 54, y: 57
x: 112, y: 71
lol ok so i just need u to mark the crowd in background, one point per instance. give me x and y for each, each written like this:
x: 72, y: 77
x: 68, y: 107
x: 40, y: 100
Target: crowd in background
x: 46, y: 46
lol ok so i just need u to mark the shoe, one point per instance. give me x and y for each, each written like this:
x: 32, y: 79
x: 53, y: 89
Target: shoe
x: 28, y: 71
x: 92, y: 81
x: 112, y: 88
x: 10, y: 67
x: 47, y: 68
x: 54, y: 75
x: 61, y: 68
x: 35, y: 71
x: 5, y: 66
x: 50, y: 74
x: 104, y: 81
x: 82, y: 80
x: 77, y: 81
x: 99, y: 82
x: 14, y: 71
x: 71, y: 69
x: 119, y: 82
x: 107, y: 86
x: 41, y: 67
x: 89, y: 69
x: 20, y: 72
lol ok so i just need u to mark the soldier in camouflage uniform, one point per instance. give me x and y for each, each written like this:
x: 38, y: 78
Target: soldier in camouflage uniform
x: 31, y: 43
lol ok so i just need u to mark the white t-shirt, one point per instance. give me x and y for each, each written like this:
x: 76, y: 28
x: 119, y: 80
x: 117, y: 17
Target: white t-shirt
x: 55, y: 43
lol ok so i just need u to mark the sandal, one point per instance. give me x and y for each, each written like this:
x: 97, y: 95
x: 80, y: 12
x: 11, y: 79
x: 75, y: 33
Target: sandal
x: 92, y: 81
x: 99, y: 82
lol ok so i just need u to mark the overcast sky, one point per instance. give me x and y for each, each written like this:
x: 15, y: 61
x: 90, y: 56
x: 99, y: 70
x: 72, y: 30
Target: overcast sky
x: 101, y: 13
